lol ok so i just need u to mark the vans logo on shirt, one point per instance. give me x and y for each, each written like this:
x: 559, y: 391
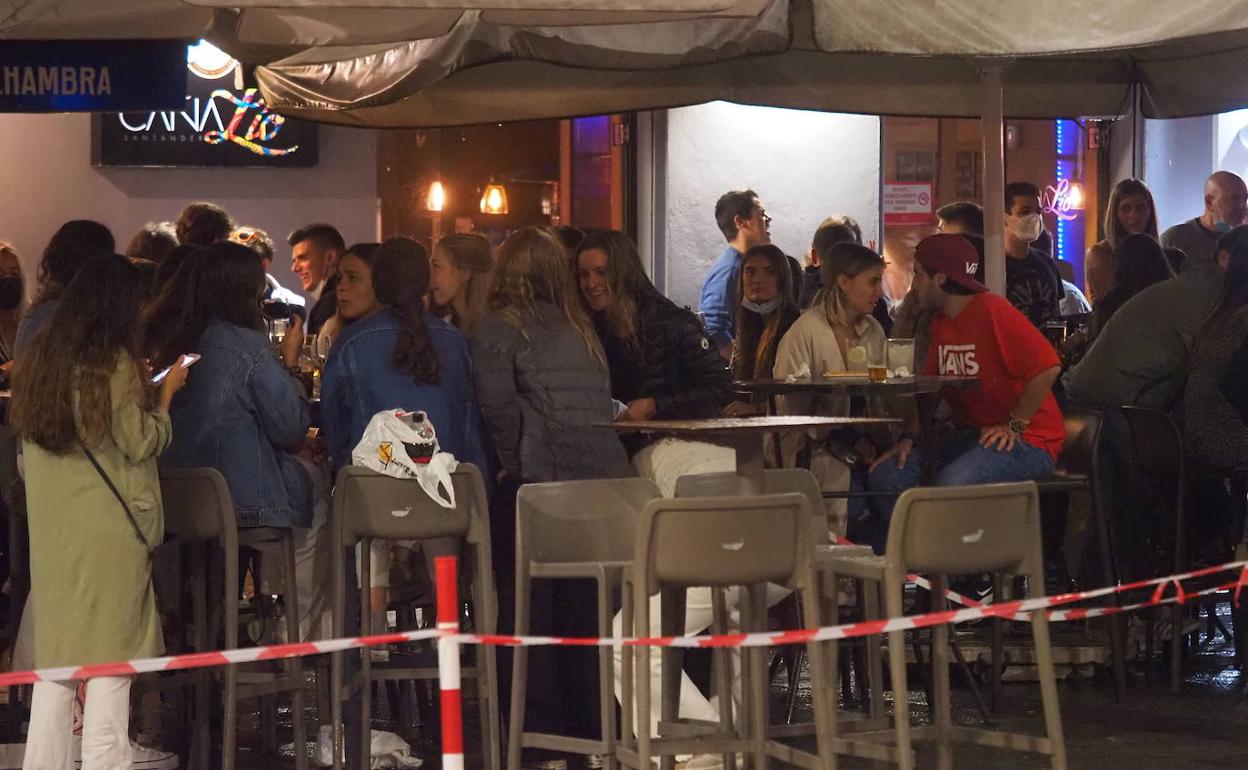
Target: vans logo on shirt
x: 958, y: 360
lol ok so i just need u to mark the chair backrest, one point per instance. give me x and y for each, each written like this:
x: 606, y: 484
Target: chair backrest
x: 725, y: 541
x: 1156, y: 470
x: 198, y: 506
x: 776, y: 481
x: 1083, y: 432
x: 370, y: 504
x: 580, y: 521
x: 967, y: 530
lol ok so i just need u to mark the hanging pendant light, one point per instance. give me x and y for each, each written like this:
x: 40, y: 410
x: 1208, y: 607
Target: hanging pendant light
x: 494, y: 199
x: 435, y: 198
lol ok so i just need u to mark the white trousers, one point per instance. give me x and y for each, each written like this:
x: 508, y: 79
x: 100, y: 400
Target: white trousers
x: 698, y: 616
x: 105, y: 729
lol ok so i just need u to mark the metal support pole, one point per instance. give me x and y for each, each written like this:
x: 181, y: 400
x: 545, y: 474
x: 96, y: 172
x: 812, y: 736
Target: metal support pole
x: 992, y: 127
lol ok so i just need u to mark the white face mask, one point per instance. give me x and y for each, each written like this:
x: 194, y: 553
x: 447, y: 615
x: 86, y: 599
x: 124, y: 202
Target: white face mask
x: 762, y: 308
x: 1025, y: 228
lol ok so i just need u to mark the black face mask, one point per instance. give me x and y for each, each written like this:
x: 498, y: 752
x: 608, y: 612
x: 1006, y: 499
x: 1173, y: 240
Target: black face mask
x: 10, y: 292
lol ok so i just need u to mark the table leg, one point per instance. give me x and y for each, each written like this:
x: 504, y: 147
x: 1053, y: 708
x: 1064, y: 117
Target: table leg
x: 749, y: 449
x: 926, y: 404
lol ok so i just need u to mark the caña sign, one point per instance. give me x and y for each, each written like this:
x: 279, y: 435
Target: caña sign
x: 91, y: 76
x: 221, y: 123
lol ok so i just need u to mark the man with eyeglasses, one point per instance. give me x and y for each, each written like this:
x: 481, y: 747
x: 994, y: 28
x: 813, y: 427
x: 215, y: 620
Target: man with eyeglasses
x: 745, y: 224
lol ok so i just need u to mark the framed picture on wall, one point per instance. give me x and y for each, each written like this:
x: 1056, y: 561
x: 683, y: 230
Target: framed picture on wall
x: 924, y: 166
x: 966, y: 170
x: 906, y: 166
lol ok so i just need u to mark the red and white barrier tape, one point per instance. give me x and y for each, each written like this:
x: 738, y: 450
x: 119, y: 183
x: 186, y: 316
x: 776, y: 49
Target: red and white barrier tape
x: 448, y: 633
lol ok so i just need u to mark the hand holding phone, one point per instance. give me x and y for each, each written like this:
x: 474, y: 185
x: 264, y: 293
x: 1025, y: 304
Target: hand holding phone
x: 184, y: 362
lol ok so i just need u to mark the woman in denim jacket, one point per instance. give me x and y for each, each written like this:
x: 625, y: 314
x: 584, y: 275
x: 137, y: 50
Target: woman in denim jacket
x: 393, y: 355
x: 241, y: 412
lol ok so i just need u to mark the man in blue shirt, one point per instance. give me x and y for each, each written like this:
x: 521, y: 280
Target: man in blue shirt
x: 744, y: 223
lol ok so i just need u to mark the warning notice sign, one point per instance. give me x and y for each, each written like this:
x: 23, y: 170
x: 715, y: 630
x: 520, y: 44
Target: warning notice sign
x: 908, y: 203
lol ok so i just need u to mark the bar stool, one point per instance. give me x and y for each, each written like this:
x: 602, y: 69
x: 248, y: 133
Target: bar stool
x: 368, y: 506
x: 573, y: 530
x: 994, y: 528
x: 720, y: 542
x: 800, y: 481
x: 200, y: 514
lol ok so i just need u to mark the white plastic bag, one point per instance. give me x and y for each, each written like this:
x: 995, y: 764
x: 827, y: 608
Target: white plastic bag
x: 405, y: 445
x: 386, y: 749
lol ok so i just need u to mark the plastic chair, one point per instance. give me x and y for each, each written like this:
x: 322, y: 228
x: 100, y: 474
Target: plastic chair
x: 720, y: 542
x: 945, y: 531
x: 368, y: 506
x: 573, y: 530
x: 781, y: 481
x: 199, y: 512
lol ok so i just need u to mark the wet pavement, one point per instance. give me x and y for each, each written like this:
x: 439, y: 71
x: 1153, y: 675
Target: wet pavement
x: 1205, y: 725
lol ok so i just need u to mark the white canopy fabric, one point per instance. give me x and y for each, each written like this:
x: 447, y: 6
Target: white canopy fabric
x: 288, y: 25
x: 898, y: 57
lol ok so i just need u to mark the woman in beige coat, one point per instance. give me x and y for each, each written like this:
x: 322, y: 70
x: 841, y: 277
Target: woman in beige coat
x: 81, y: 398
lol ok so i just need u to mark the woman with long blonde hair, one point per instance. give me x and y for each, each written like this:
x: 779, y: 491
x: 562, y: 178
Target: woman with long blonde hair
x: 461, y: 276
x: 1130, y: 211
x: 544, y: 392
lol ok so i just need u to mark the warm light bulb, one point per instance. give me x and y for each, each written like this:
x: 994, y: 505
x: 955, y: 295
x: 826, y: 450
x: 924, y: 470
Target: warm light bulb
x: 494, y: 199
x: 436, y: 200
x: 1075, y: 196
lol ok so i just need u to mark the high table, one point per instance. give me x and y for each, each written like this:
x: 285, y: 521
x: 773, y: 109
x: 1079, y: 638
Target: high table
x: 924, y: 389
x: 744, y: 434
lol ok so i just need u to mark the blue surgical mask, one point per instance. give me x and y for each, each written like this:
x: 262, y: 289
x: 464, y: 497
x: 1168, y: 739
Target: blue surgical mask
x: 1220, y: 227
x: 764, y: 308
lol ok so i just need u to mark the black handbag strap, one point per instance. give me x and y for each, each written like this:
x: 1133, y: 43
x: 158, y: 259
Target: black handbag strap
x: 124, y: 506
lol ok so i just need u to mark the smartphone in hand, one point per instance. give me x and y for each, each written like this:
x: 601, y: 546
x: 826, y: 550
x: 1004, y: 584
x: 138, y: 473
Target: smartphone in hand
x: 184, y: 362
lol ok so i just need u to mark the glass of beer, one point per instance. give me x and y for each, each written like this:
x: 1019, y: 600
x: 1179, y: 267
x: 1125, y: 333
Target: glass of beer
x: 877, y: 365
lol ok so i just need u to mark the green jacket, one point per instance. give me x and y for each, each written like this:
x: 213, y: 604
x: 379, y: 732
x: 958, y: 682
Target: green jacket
x: 1140, y: 357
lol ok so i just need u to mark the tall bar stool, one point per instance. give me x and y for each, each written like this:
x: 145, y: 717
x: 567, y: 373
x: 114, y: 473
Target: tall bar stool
x: 943, y: 531
x: 368, y: 506
x: 801, y: 481
x: 721, y: 542
x: 573, y: 530
x: 200, y: 514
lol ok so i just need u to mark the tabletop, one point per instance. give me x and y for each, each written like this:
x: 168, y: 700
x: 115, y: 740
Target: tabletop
x: 858, y: 386
x: 742, y: 424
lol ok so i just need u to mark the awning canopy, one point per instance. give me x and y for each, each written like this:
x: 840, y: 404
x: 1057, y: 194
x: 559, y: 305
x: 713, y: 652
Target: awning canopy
x: 445, y: 62
x: 895, y: 57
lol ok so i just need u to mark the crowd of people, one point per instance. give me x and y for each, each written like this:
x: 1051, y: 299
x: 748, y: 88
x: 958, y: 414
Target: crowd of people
x: 520, y: 354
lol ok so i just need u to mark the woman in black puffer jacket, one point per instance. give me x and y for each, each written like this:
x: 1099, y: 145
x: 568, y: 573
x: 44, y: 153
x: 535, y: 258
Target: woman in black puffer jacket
x: 663, y: 366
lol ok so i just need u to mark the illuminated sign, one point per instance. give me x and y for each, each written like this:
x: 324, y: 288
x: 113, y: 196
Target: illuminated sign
x: 90, y: 76
x: 1063, y: 200
x: 222, y: 122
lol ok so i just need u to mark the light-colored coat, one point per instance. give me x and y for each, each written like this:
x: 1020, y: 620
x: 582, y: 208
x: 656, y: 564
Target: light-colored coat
x: 91, y: 590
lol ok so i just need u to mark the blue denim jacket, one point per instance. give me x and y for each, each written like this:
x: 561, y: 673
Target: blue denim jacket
x: 359, y: 381
x: 240, y: 413
x: 719, y: 298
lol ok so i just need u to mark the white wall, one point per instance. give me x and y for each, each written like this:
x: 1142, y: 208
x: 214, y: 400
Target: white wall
x: 1178, y: 157
x: 805, y: 166
x: 46, y: 178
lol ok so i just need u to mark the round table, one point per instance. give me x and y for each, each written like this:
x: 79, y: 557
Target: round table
x: 925, y: 390
x: 744, y: 434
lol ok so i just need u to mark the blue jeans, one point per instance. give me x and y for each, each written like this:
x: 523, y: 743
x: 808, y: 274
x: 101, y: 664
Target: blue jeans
x: 960, y: 461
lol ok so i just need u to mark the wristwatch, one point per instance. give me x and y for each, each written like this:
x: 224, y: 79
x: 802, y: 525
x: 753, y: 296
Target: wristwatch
x: 1017, y: 426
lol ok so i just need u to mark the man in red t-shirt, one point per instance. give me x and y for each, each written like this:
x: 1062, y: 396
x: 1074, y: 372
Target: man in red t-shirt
x: 1007, y: 429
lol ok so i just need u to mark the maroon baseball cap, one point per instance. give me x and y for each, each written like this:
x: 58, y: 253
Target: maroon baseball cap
x: 952, y: 255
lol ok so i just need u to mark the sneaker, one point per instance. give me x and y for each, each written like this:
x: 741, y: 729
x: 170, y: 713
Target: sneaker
x: 704, y: 762
x: 141, y: 757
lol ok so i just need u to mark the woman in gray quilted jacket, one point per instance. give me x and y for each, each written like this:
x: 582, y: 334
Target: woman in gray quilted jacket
x: 543, y: 388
